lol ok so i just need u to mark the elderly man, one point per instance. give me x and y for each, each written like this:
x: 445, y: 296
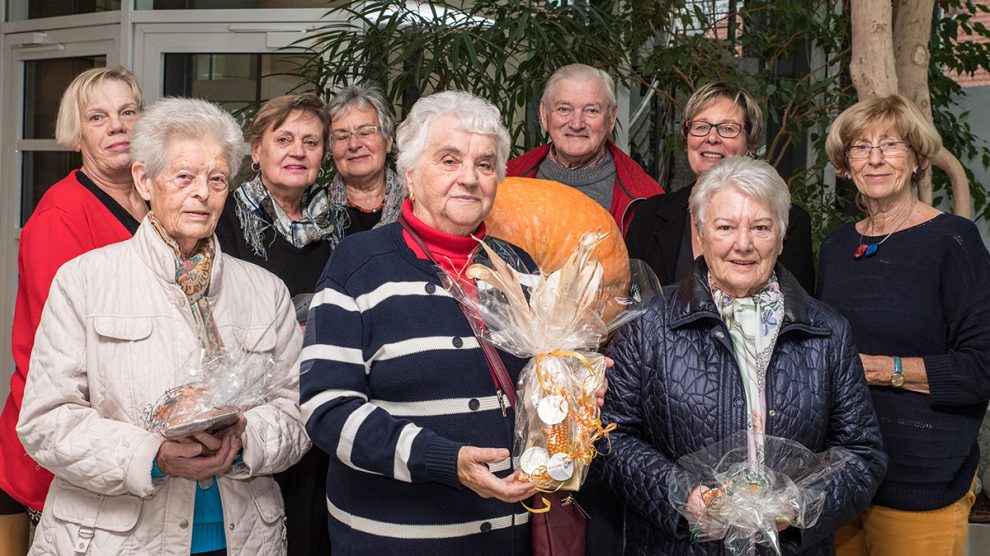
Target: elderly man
x: 578, y: 110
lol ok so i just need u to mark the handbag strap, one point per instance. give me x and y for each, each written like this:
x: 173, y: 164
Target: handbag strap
x: 500, y: 376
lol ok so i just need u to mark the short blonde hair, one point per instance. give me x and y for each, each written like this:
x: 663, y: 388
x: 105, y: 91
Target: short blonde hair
x: 68, y: 125
x: 894, y: 112
x: 752, y: 115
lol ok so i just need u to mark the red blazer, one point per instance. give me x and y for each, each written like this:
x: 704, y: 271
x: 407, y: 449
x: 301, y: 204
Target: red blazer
x: 69, y: 221
x: 632, y: 184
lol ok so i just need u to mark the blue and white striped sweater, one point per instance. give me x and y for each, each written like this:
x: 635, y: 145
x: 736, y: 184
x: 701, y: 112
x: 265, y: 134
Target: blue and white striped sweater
x: 394, y: 384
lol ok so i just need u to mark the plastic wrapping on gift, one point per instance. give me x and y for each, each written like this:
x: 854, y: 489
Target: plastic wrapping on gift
x: 557, y: 319
x: 557, y: 418
x: 726, y: 497
x: 219, y: 386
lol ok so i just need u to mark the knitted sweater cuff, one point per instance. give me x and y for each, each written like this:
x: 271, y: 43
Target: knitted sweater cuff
x: 943, y: 380
x: 441, y: 461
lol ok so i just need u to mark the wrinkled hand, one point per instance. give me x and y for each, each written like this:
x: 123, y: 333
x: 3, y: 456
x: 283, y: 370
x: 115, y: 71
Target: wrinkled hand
x: 700, y: 502
x: 473, y: 472
x: 202, y: 455
x: 235, y: 429
x: 600, y: 393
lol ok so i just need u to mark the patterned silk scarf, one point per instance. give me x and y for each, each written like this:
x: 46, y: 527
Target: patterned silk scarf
x: 753, y: 323
x: 193, y: 276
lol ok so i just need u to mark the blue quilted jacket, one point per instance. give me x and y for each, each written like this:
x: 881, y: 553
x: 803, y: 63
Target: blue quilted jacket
x: 675, y: 389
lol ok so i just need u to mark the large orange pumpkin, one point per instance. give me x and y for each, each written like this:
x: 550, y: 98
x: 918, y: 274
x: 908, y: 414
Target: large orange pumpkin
x: 546, y: 219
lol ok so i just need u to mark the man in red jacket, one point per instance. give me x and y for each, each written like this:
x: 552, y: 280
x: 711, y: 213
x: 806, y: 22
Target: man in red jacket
x: 578, y: 111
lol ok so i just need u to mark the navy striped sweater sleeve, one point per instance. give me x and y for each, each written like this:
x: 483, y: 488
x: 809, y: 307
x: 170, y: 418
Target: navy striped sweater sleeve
x: 340, y: 415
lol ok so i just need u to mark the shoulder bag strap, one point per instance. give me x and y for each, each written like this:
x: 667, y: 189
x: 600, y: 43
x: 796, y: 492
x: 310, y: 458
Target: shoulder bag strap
x: 503, y: 382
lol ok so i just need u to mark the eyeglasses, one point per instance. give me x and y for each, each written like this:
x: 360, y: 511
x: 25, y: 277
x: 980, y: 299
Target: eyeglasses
x: 889, y: 149
x: 725, y: 130
x: 362, y: 133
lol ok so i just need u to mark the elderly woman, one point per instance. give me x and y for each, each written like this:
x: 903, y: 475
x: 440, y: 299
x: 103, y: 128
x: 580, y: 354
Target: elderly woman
x: 720, y: 121
x: 91, y: 207
x: 361, y: 134
x: 399, y: 391
x: 913, y: 283
x: 737, y: 345
x: 119, y: 324
x: 281, y: 220
x: 286, y: 223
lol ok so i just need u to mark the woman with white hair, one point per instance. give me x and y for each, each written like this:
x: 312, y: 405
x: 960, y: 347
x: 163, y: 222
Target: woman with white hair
x: 119, y: 324
x: 736, y: 345
x: 399, y: 392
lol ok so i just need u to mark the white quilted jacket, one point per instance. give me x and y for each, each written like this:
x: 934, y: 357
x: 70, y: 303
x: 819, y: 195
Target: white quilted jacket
x: 113, y: 337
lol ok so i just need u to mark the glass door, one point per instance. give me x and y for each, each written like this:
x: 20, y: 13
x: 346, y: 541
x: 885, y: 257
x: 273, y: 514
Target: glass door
x: 37, y: 68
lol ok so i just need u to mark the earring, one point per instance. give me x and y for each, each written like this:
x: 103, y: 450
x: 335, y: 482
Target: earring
x: 917, y: 172
x: 412, y: 197
x: 255, y: 167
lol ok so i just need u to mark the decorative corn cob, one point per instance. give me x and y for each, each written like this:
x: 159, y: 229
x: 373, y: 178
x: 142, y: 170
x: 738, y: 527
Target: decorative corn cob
x: 558, y: 437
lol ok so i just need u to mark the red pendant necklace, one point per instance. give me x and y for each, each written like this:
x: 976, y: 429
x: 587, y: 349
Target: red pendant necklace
x: 864, y: 250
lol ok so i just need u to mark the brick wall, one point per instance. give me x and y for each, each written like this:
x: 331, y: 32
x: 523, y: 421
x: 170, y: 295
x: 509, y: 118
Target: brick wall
x: 981, y: 78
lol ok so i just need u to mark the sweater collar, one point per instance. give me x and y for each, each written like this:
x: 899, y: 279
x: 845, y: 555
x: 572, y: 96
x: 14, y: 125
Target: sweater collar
x: 445, y: 248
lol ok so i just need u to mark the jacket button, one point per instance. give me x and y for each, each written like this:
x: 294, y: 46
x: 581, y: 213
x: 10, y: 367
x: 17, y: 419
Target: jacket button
x: 486, y: 527
x: 457, y: 341
x: 719, y: 334
x: 474, y: 404
x: 773, y: 412
x: 431, y: 288
x: 231, y: 527
x: 737, y: 402
x: 184, y: 524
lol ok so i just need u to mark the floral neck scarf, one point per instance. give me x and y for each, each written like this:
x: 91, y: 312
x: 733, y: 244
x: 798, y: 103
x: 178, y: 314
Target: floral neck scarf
x: 257, y: 211
x: 193, y: 276
x: 753, y: 323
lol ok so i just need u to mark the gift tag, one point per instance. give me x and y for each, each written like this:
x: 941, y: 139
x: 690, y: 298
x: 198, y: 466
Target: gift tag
x: 552, y: 409
x: 532, y: 460
x: 560, y: 467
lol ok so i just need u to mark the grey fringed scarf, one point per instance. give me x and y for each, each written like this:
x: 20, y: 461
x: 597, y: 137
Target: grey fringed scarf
x: 395, y: 193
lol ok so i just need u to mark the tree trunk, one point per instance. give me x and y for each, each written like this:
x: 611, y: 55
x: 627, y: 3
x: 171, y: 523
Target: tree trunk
x: 872, y: 65
x: 912, y: 32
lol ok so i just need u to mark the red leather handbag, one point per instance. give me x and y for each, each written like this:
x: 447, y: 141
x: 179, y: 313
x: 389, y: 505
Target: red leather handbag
x: 560, y: 531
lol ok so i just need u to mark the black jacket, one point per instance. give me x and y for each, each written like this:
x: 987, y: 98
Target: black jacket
x: 676, y: 389
x: 657, y: 232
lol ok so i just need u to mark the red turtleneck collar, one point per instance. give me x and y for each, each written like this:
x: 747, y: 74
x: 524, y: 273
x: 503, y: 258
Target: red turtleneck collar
x: 450, y: 251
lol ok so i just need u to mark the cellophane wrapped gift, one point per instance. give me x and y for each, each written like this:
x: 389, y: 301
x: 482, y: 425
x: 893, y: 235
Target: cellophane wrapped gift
x: 219, y: 386
x: 557, y: 320
x: 743, y: 502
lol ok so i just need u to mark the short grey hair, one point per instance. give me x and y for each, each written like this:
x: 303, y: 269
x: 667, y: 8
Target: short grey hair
x: 473, y: 114
x: 175, y: 119
x: 362, y: 97
x: 753, y: 178
x: 582, y: 72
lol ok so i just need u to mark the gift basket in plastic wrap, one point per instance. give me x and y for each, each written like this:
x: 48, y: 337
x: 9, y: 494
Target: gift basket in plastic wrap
x: 218, y: 386
x: 728, y: 497
x: 556, y: 320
